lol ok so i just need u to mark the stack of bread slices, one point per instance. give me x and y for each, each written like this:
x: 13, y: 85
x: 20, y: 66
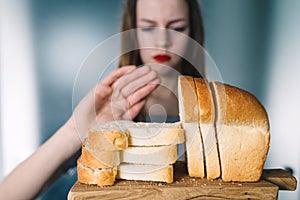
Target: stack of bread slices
x: 226, y: 129
x: 128, y: 150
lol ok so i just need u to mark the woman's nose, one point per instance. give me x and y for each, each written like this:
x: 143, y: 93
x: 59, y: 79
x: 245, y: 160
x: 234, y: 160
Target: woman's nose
x: 163, y: 38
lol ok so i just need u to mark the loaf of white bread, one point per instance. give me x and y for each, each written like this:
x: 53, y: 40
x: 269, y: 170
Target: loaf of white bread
x: 227, y: 130
x: 128, y: 150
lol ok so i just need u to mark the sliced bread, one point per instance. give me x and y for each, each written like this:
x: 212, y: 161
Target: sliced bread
x: 95, y: 176
x: 159, y: 173
x: 158, y: 155
x: 189, y: 116
x: 117, y: 135
x: 155, y: 134
x: 207, y: 128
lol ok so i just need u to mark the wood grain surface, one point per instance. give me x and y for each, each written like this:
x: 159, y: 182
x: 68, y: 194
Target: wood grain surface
x: 185, y: 187
x: 283, y: 179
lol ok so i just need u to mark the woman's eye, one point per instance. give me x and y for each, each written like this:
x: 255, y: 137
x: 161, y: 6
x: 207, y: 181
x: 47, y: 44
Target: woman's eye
x: 179, y: 29
x: 147, y: 28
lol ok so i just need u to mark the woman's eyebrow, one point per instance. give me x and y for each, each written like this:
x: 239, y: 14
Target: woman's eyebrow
x: 170, y: 22
x: 147, y: 20
x: 177, y: 20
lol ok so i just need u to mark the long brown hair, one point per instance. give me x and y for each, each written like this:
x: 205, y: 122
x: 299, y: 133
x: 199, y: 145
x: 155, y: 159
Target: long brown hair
x: 196, y: 33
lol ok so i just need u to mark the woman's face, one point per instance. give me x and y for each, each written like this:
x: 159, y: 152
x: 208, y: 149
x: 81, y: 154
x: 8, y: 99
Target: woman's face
x: 159, y: 24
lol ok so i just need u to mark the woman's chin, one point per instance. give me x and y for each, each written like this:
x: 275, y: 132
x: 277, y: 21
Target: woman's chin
x: 163, y: 69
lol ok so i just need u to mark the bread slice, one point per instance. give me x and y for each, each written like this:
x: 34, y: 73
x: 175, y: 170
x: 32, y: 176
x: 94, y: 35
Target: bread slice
x: 158, y: 155
x: 243, y: 133
x: 189, y: 116
x: 108, y: 137
x: 98, y: 159
x: 155, y: 134
x: 158, y: 173
x: 100, y: 177
x: 207, y: 128
x: 117, y: 135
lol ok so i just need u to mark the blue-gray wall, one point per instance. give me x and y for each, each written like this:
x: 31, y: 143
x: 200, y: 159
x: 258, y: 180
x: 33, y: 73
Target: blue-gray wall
x: 64, y: 33
x: 237, y: 37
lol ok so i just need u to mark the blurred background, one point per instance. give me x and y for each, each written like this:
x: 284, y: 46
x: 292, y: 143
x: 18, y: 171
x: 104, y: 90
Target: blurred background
x: 254, y: 43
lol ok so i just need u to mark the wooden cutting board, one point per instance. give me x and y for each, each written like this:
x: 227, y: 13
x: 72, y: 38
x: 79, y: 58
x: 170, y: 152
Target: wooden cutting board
x: 185, y: 187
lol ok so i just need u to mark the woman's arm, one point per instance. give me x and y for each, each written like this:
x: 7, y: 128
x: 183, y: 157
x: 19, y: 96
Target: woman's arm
x: 26, y: 181
x: 125, y: 87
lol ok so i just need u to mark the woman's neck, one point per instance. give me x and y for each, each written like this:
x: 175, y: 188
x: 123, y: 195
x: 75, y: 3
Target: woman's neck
x: 163, y: 100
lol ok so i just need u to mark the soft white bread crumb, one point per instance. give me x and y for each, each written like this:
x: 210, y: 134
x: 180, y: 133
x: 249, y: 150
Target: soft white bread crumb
x: 161, y: 155
x: 155, y: 134
x: 160, y: 173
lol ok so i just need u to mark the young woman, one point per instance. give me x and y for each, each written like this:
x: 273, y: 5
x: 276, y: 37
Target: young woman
x: 156, y: 22
x: 131, y: 82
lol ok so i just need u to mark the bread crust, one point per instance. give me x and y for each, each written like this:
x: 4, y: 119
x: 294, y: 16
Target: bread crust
x: 239, y: 107
x: 108, y: 140
x: 100, y: 177
x: 205, y: 101
x: 98, y: 159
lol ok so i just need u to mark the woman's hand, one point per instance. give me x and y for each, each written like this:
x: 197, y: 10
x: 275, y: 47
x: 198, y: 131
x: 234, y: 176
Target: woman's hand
x: 121, y: 95
x: 130, y: 92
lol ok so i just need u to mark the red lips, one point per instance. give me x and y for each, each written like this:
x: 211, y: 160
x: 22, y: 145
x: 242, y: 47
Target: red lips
x: 162, y: 58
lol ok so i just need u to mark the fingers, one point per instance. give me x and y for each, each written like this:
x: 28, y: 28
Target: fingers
x: 131, y: 90
x: 121, y: 95
x: 116, y: 74
x: 141, y: 93
x: 139, y: 73
x: 104, y: 89
x: 128, y: 108
x: 139, y: 83
x: 134, y: 110
x: 133, y: 81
